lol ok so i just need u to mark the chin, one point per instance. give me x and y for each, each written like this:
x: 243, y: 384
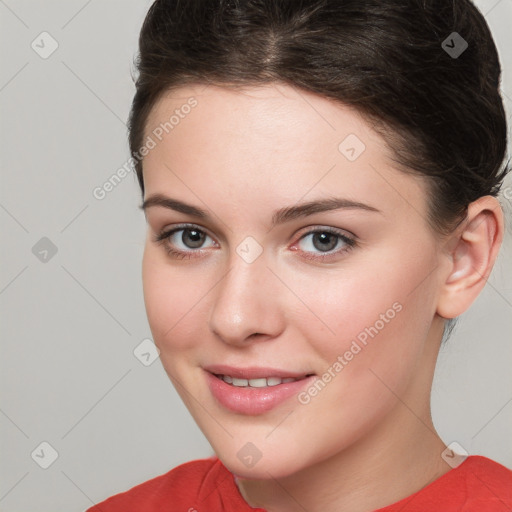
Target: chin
x: 268, y: 462
x: 263, y: 469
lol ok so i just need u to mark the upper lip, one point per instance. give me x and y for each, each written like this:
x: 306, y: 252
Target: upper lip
x: 253, y: 372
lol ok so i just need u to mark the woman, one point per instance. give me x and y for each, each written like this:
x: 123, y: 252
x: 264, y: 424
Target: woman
x: 319, y: 179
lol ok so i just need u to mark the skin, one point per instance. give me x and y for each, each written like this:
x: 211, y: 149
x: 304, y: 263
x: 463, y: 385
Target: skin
x: 366, y: 439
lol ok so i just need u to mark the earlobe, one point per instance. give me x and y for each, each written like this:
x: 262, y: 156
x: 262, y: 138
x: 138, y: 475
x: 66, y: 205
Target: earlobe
x: 473, y: 252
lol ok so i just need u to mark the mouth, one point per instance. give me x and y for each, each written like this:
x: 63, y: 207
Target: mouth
x: 262, y: 382
x: 253, y: 391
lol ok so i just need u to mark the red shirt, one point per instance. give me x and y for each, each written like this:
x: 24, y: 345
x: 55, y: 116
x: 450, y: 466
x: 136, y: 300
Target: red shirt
x: 477, y: 485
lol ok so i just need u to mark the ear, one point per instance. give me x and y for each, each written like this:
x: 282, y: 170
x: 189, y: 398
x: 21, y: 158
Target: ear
x: 472, y: 251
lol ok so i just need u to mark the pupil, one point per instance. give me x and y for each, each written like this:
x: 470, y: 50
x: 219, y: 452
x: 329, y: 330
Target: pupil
x: 194, y: 239
x: 327, y: 241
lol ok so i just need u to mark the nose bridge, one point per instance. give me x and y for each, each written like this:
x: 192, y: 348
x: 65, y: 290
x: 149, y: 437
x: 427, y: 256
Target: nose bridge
x: 245, y: 302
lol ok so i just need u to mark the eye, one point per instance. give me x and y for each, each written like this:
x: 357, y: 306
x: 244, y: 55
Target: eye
x: 321, y: 244
x: 184, y: 241
x: 187, y: 241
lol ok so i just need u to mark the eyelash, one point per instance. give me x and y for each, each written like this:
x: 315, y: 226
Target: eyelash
x: 162, y: 238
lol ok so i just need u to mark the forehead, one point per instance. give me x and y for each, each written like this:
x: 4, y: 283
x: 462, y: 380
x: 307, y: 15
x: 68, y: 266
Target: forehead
x: 265, y: 110
x: 268, y: 139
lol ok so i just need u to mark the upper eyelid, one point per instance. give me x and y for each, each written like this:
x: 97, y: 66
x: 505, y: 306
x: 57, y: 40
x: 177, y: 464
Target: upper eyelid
x: 166, y: 232
x: 329, y: 229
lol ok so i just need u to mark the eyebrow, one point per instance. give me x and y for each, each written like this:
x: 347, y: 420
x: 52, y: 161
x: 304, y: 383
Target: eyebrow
x: 280, y: 216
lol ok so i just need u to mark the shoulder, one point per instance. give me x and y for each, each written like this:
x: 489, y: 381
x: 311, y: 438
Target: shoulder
x: 180, y: 487
x: 477, y: 465
x: 488, y: 477
x: 478, y: 484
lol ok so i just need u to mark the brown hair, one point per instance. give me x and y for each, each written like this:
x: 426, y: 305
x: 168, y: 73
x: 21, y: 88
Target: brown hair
x: 436, y: 103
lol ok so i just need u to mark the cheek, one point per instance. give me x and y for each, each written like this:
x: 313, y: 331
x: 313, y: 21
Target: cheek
x: 380, y: 328
x: 374, y: 316
x: 173, y: 300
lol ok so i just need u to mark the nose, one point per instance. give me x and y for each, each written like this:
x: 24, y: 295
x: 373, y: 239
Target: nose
x: 246, y: 303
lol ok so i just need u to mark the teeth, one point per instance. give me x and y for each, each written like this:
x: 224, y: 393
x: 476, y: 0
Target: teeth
x: 255, y: 383
x: 258, y: 383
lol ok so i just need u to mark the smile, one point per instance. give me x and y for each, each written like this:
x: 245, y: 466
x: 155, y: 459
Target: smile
x: 256, y: 383
x: 247, y: 391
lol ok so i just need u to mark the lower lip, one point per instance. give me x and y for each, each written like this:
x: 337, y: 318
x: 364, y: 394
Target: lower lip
x: 252, y: 401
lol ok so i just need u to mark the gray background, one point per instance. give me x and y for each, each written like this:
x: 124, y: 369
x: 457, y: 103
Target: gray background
x: 71, y: 320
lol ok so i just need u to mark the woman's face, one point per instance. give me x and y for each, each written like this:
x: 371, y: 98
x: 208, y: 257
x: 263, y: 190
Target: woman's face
x: 297, y: 251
